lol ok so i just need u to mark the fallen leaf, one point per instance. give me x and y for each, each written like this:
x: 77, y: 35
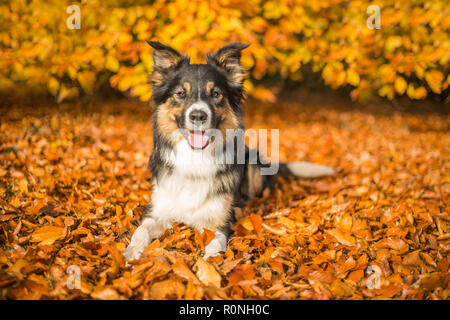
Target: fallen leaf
x: 48, y: 235
x: 207, y: 274
x: 181, y: 269
x: 342, y: 237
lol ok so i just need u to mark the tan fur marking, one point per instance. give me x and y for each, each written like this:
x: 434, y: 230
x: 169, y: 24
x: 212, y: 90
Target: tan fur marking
x: 187, y: 87
x: 165, y: 118
x: 156, y: 78
x: 228, y: 119
x: 209, y: 87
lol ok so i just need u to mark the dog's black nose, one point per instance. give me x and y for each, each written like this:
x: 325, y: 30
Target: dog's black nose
x: 198, y: 116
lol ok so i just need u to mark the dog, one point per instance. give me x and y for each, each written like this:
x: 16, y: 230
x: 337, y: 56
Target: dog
x: 189, y: 183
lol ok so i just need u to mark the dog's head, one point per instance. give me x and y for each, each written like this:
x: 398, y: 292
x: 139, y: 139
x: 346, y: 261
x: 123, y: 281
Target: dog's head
x: 196, y: 97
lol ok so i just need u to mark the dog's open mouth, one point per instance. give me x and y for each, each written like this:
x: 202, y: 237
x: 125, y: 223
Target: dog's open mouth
x: 198, y: 139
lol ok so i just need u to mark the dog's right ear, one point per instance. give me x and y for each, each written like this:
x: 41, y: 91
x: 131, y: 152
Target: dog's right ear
x: 165, y: 60
x: 228, y: 58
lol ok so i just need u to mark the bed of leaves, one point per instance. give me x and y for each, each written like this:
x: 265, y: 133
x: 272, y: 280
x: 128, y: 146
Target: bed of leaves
x: 74, y: 183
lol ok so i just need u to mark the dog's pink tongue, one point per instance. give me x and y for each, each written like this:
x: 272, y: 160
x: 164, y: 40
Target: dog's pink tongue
x: 198, y: 139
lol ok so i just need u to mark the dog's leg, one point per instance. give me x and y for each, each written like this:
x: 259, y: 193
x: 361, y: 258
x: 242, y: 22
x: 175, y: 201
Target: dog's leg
x: 147, y: 231
x: 219, y: 243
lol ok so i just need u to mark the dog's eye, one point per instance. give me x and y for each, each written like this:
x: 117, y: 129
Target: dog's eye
x: 216, y: 94
x: 181, y: 93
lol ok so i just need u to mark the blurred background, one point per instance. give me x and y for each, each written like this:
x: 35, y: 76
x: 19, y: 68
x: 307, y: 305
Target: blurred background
x: 68, y: 49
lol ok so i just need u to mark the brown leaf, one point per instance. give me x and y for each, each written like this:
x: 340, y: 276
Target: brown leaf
x: 428, y: 259
x: 412, y: 259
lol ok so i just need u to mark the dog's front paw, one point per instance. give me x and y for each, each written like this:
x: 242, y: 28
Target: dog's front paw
x: 210, y: 253
x: 132, y: 253
x: 215, y: 247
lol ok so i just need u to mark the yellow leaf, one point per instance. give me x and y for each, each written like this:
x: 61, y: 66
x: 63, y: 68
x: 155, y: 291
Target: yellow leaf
x: 419, y: 71
x: 248, y: 86
x: 66, y: 93
x: 23, y: 186
x: 54, y: 123
x: 112, y: 64
x: 387, y: 91
x: 72, y: 72
x: 246, y: 223
x: 86, y: 80
x: 434, y: 79
x: 392, y: 43
x: 125, y: 83
x: 140, y: 90
x: 352, y: 77
x: 421, y: 93
x: 410, y: 91
x: 53, y: 86
x: 400, y: 85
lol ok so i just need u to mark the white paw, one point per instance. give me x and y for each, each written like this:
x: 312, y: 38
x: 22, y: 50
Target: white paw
x: 132, y: 253
x: 210, y: 253
x: 217, y: 245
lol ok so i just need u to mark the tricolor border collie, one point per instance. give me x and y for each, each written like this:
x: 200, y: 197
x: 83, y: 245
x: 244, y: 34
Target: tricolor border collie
x: 200, y: 170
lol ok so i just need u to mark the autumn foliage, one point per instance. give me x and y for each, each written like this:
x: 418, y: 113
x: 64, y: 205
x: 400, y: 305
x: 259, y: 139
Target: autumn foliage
x: 409, y: 55
x: 74, y: 183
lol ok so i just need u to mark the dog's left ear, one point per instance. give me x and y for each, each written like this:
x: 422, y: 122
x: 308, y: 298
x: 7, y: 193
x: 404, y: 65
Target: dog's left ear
x: 229, y: 59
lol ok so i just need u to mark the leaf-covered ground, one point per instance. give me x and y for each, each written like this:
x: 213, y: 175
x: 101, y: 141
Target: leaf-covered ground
x: 74, y: 183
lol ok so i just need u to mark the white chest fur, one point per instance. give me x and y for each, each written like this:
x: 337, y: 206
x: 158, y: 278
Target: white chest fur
x: 186, y: 194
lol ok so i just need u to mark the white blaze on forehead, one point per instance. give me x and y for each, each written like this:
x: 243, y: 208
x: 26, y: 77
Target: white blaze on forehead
x: 202, y: 106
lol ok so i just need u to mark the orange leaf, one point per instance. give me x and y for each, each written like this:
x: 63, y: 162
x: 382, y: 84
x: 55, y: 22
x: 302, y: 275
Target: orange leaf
x: 207, y: 236
x: 48, y: 235
x: 181, y: 269
x: 392, y: 243
x: 207, y: 274
x: 257, y: 221
x: 105, y: 293
x: 342, y: 237
x: 240, y: 273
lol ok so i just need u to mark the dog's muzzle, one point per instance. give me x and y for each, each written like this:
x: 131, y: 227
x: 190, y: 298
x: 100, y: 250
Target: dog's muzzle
x: 198, y: 120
